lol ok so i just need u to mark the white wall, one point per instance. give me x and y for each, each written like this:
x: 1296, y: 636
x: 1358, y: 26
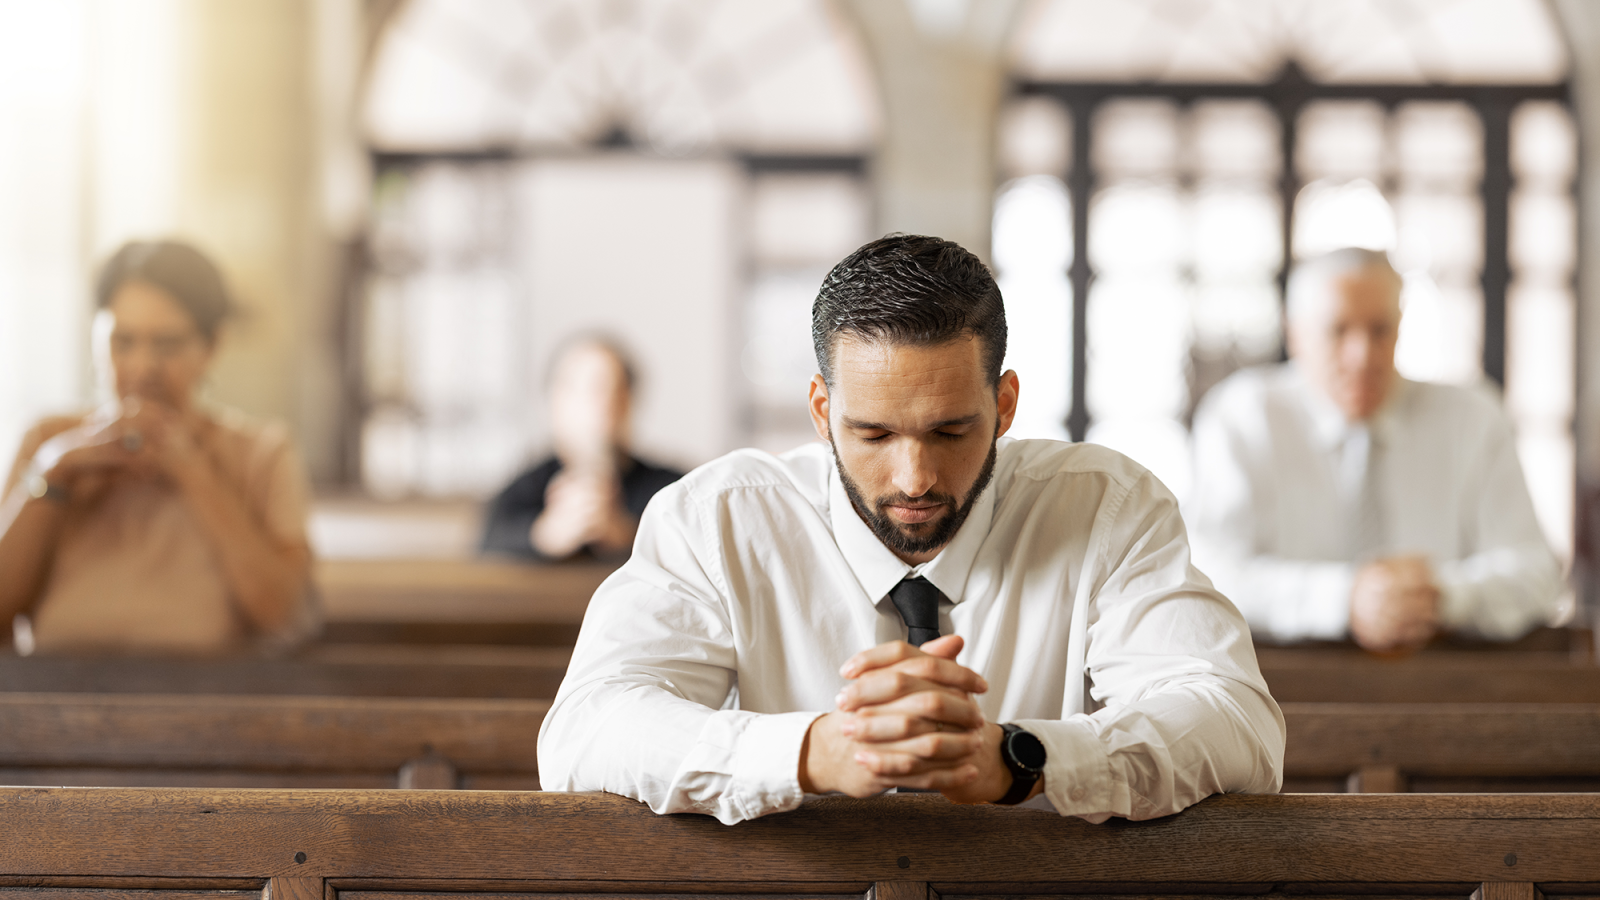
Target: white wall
x: 640, y: 248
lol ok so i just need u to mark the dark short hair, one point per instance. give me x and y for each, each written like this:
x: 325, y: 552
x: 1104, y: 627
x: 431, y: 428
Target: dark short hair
x: 910, y: 289
x: 179, y: 269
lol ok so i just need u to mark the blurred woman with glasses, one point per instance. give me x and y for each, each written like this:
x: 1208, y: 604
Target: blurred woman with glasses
x: 157, y: 523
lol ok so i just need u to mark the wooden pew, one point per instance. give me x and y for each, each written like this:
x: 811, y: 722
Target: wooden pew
x: 1461, y: 678
x: 455, y: 601
x: 242, y: 740
x: 1465, y: 747
x: 1561, y: 646
x: 332, y: 670
x: 254, y: 741
x: 1552, y: 665
x: 377, y: 845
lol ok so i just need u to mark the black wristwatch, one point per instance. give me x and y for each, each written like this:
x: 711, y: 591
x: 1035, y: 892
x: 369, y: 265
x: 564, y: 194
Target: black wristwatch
x: 1024, y: 755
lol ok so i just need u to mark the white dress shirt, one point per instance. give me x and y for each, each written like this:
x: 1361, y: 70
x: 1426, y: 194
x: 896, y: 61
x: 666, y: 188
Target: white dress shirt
x: 704, y: 660
x: 1289, y: 499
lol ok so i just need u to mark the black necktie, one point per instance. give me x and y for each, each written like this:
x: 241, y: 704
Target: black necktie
x: 918, y: 603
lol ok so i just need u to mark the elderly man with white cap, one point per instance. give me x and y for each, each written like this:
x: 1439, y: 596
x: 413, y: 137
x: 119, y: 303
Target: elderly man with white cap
x: 1334, y: 498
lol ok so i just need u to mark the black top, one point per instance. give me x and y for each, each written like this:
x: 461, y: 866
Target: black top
x: 511, y: 514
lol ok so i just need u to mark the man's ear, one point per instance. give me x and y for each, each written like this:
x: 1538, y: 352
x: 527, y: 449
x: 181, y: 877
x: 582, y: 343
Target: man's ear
x: 1006, y: 402
x: 818, y: 406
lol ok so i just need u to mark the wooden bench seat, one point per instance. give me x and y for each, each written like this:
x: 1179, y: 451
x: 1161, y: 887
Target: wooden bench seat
x: 1442, y: 747
x: 1550, y: 665
x: 455, y: 601
x: 1458, y: 678
x: 378, y: 845
x: 253, y: 741
x: 324, y: 670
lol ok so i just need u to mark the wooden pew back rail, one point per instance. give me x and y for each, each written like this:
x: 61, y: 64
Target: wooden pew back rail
x: 353, y: 742
x: 320, y: 671
x: 1386, y: 747
x: 252, y: 741
x: 175, y: 843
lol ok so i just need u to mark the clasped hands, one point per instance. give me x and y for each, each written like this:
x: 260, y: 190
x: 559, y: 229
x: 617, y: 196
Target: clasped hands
x: 146, y: 440
x: 907, y: 719
x: 1394, y: 604
x: 583, y: 508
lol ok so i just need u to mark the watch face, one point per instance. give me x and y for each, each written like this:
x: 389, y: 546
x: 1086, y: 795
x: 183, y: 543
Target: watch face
x: 1026, y: 749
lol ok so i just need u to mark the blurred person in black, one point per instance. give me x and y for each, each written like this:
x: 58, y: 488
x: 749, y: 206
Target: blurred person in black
x: 586, y: 499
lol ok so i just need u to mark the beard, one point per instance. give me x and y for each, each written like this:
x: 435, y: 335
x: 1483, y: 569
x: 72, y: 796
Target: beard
x: 924, y: 537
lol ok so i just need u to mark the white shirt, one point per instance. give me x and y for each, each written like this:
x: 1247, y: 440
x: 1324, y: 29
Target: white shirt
x: 704, y: 660
x: 1277, y: 524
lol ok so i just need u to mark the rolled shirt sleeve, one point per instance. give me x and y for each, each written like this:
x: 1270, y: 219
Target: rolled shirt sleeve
x: 1183, y: 711
x: 644, y: 708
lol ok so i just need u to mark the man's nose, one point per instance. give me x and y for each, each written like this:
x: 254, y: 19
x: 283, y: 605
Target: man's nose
x: 1356, y: 350
x: 914, y: 471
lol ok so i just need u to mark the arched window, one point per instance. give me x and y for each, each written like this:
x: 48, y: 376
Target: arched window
x: 677, y: 173
x: 1198, y: 146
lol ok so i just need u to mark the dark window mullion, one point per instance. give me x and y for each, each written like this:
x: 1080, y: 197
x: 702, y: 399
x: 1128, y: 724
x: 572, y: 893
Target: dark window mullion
x: 1288, y: 190
x: 1495, y: 111
x: 1080, y: 184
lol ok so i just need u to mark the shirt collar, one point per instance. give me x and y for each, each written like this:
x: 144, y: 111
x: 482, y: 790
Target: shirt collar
x: 1383, y: 423
x: 1328, y: 423
x: 877, y: 568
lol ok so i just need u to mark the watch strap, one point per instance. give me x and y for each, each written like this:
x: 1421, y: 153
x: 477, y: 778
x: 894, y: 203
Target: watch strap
x: 1022, y: 778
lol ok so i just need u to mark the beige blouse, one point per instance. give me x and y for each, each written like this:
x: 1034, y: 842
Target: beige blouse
x: 135, y: 572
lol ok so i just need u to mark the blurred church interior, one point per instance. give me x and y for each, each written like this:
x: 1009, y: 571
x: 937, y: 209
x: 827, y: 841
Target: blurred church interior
x: 416, y: 201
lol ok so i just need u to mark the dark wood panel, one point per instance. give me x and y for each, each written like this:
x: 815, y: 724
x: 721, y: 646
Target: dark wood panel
x: 1210, y: 891
x: 558, y: 889
x: 654, y: 894
x: 78, y: 893
x: 380, y: 840
x: 160, y: 887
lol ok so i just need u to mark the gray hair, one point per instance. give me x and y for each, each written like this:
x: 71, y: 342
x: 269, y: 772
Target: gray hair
x: 1312, y: 280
